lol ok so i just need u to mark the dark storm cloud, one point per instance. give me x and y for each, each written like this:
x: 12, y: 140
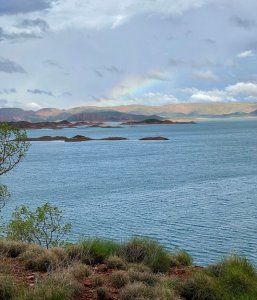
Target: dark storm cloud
x: 13, y: 7
x: 38, y: 23
x: 8, y: 66
x: 40, y: 92
x: 243, y: 23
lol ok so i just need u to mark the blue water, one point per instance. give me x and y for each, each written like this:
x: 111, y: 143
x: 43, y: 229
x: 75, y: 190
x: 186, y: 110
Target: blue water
x: 197, y: 191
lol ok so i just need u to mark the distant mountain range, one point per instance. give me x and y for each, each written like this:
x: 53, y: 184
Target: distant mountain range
x: 132, y: 112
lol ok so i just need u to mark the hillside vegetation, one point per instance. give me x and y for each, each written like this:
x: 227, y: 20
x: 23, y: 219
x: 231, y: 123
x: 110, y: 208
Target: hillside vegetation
x: 103, y: 269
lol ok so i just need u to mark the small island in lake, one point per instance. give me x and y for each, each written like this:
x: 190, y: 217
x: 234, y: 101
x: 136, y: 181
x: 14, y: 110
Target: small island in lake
x: 157, y: 122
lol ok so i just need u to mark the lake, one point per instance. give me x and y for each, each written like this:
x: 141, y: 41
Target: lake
x: 197, y: 191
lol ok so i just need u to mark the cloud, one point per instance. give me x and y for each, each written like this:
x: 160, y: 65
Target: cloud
x: 211, y: 96
x: 52, y: 63
x: 3, y: 103
x: 8, y: 91
x: 41, y: 24
x: 40, y: 92
x: 98, y: 73
x: 243, y: 88
x: 243, y: 23
x: 145, y: 99
x: 241, y: 91
x: 4, y: 36
x: 247, y: 53
x: 13, y: 7
x: 206, y: 75
x: 8, y: 66
x: 98, y: 13
x: 179, y: 63
x: 113, y: 69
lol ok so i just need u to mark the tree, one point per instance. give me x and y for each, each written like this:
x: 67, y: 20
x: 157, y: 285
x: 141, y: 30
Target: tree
x: 4, y: 194
x: 44, y: 226
x: 13, y: 147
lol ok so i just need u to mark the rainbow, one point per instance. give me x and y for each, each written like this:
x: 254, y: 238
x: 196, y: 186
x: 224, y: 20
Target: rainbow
x: 139, y: 85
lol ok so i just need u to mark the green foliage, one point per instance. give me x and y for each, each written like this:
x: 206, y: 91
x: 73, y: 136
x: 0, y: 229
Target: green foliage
x: 4, y: 195
x: 13, y: 147
x: 201, y: 287
x: 181, y: 259
x: 149, y: 252
x: 232, y: 278
x: 119, y: 279
x: 93, y: 250
x: 44, y: 226
x: 237, y: 277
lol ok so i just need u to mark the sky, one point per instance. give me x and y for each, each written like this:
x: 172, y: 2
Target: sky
x: 69, y: 53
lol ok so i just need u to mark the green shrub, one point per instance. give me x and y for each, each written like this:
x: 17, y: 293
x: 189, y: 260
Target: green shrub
x: 93, y: 251
x: 137, y: 291
x: 79, y: 271
x: 7, y: 287
x: 145, y: 277
x: 181, y: 258
x: 149, y: 252
x: 115, y: 262
x: 44, y: 226
x: 12, y: 248
x: 200, y: 287
x: 119, y: 279
x: 237, y: 277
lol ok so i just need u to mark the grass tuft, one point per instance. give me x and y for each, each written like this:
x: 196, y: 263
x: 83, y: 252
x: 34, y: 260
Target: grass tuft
x: 119, y: 279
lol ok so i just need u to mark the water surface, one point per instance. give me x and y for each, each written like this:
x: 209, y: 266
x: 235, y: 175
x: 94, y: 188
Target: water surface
x: 197, y: 191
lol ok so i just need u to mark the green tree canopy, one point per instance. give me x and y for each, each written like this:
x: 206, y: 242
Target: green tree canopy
x: 44, y: 226
x: 13, y: 147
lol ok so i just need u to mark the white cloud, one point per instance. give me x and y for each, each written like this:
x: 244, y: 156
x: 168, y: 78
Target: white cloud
x: 211, y: 96
x: 101, y: 14
x: 206, y: 75
x: 247, y: 53
x: 145, y: 99
x: 243, y: 88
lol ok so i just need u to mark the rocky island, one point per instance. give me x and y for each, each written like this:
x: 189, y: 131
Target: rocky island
x: 156, y: 122
x: 82, y: 138
x: 155, y: 138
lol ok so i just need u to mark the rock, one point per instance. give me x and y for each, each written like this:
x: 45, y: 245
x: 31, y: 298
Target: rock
x: 78, y: 138
x: 47, y: 138
x: 113, y: 138
x: 155, y: 138
x: 156, y: 122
